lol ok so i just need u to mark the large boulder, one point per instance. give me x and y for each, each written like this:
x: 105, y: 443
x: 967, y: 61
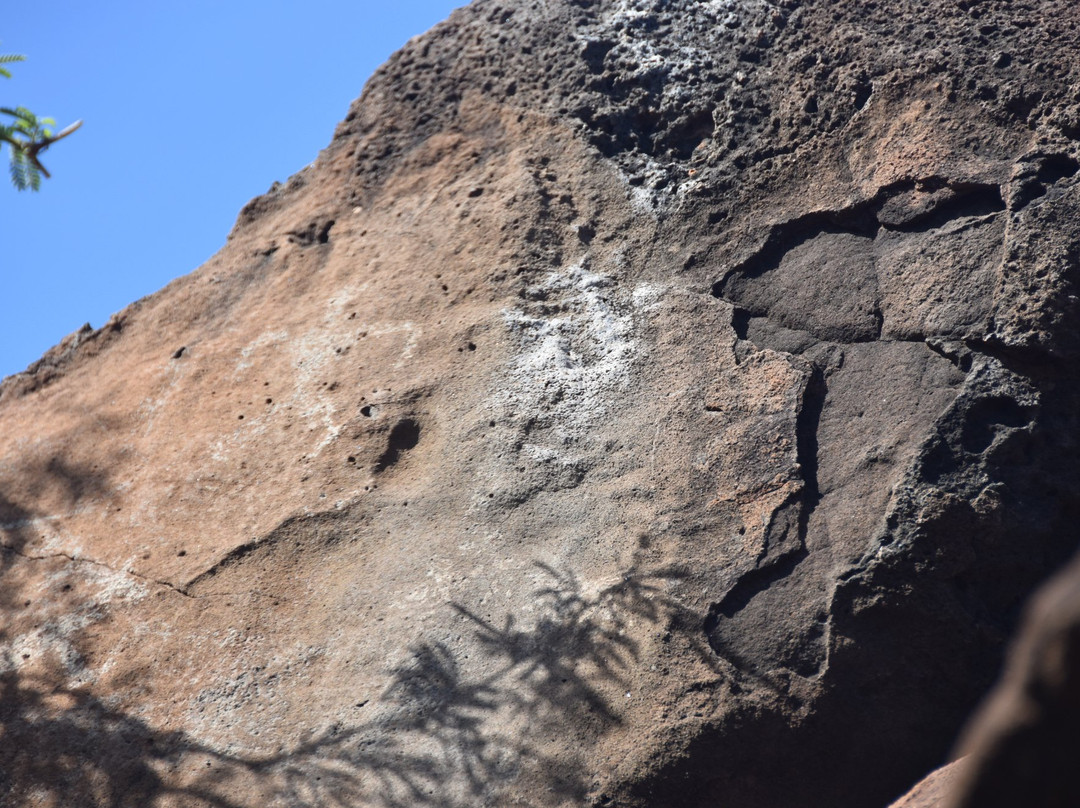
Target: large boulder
x: 637, y: 403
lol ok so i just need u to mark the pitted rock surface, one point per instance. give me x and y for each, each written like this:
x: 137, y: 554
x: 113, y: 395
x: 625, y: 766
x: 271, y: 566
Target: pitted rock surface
x: 636, y: 403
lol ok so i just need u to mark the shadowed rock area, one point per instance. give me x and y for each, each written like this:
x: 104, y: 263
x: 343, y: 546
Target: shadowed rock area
x: 636, y: 404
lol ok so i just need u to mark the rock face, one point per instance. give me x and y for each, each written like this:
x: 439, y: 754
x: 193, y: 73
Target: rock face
x: 936, y: 788
x: 637, y: 403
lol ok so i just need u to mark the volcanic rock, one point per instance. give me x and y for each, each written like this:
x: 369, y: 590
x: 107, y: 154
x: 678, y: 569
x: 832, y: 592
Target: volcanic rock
x: 637, y: 403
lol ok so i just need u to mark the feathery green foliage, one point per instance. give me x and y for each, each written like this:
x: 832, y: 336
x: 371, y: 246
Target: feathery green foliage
x: 27, y: 136
x: 26, y: 130
x: 8, y: 59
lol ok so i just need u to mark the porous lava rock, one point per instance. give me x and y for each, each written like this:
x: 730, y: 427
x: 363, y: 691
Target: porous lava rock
x: 636, y: 404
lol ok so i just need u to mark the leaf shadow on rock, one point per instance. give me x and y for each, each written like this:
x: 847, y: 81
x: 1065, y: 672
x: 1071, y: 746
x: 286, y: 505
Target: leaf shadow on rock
x: 547, y: 659
x: 70, y: 483
x: 453, y: 726
x: 59, y: 743
x: 62, y: 746
x: 449, y: 737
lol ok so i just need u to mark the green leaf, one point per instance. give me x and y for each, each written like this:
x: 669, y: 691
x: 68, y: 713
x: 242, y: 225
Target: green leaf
x: 18, y: 170
x: 26, y: 136
x: 24, y: 174
x: 8, y: 58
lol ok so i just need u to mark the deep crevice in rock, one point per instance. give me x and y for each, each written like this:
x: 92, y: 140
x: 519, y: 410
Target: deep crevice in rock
x: 961, y: 202
x: 740, y: 595
x: 785, y: 237
x: 804, y: 661
x: 817, y: 273
x: 807, y: 422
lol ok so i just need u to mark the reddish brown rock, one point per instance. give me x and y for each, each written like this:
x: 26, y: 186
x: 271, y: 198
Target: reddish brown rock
x: 934, y: 789
x: 635, y: 404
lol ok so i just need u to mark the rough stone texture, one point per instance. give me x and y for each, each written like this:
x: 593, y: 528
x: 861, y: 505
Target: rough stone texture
x: 934, y: 789
x: 637, y: 403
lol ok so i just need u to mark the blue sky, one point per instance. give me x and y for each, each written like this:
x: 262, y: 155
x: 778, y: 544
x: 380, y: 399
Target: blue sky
x: 190, y: 108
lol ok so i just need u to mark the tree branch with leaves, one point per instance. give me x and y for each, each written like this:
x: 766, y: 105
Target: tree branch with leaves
x: 27, y: 137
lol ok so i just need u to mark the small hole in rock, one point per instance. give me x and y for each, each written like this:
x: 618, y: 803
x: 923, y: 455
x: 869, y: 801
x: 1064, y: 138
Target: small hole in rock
x: 472, y: 347
x: 182, y: 553
x: 366, y: 411
x: 404, y: 436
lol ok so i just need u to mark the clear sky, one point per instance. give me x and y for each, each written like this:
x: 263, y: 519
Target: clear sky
x: 190, y: 108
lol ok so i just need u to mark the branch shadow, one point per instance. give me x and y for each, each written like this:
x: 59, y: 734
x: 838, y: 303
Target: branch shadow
x: 61, y: 746
x: 70, y: 483
x: 443, y: 732
x: 448, y: 740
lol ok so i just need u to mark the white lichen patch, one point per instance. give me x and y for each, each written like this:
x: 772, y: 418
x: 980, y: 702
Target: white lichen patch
x: 576, y: 346
x: 667, y: 63
x: 313, y: 354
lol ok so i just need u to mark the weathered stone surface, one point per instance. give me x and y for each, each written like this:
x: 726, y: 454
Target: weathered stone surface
x: 636, y: 404
x: 934, y: 789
